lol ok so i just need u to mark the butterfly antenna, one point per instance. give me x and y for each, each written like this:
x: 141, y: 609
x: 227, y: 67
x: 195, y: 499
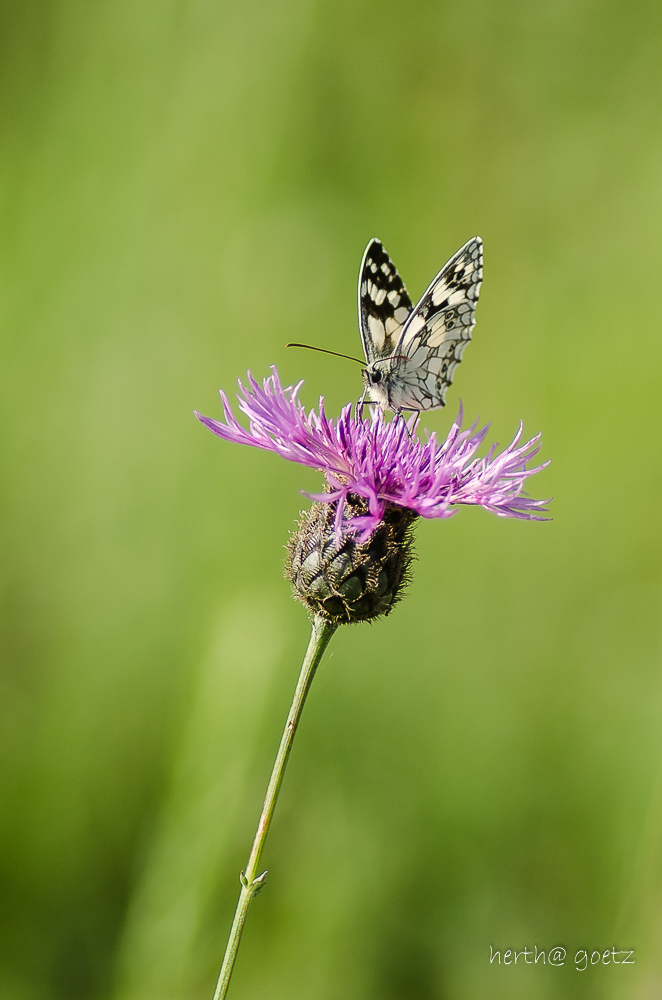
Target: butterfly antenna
x: 323, y: 351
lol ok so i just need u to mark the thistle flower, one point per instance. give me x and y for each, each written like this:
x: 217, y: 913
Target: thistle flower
x: 350, y: 555
x: 380, y: 476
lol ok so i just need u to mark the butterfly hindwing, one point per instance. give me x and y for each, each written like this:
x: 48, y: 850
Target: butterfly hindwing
x: 384, y: 304
x: 437, y: 331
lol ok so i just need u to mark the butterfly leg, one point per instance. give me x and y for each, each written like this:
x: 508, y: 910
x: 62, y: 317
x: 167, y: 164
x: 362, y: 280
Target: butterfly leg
x: 401, y: 415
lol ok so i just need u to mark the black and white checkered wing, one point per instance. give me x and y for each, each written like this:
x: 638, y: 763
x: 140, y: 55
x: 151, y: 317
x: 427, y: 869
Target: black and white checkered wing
x: 438, y: 330
x: 384, y: 304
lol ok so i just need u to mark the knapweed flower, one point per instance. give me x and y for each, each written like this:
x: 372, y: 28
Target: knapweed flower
x: 350, y: 556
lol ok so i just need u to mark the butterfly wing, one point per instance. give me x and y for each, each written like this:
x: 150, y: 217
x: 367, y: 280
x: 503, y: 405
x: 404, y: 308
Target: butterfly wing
x: 437, y: 331
x: 384, y: 304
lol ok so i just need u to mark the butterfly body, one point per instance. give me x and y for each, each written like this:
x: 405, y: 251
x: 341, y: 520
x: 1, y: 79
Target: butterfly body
x: 412, y: 352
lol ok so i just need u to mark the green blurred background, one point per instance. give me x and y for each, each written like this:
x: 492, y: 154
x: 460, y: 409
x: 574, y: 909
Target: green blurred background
x: 186, y: 186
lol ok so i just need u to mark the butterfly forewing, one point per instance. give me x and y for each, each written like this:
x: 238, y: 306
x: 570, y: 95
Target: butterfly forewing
x: 384, y: 304
x: 437, y: 331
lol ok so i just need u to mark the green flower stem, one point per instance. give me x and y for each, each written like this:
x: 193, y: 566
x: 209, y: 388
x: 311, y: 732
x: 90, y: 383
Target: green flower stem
x: 251, y: 883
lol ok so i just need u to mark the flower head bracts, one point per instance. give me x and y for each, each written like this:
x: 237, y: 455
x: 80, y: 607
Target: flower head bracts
x: 381, y: 461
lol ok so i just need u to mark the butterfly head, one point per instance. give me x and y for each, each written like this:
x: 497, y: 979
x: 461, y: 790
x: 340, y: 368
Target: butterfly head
x: 376, y: 383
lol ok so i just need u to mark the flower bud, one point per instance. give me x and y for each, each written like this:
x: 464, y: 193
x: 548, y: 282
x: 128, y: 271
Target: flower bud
x: 344, y: 580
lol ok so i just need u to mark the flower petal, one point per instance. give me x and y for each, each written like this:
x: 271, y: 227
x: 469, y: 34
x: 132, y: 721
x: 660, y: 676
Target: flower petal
x: 384, y: 461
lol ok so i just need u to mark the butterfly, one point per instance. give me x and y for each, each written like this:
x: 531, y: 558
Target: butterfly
x: 411, y: 352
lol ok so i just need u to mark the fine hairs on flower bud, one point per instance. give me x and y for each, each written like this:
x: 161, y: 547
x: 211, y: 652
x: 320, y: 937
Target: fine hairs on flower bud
x: 342, y: 579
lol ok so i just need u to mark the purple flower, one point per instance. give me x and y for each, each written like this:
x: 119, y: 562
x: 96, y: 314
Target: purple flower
x: 383, y: 461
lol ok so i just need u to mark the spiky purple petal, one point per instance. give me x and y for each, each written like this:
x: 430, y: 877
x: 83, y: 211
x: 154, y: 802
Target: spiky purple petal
x: 384, y: 462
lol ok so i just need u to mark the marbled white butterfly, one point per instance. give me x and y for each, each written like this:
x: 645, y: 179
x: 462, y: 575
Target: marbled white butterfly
x: 412, y: 353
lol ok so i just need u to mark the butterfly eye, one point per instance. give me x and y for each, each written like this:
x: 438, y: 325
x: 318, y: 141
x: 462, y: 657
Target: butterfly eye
x: 375, y: 377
